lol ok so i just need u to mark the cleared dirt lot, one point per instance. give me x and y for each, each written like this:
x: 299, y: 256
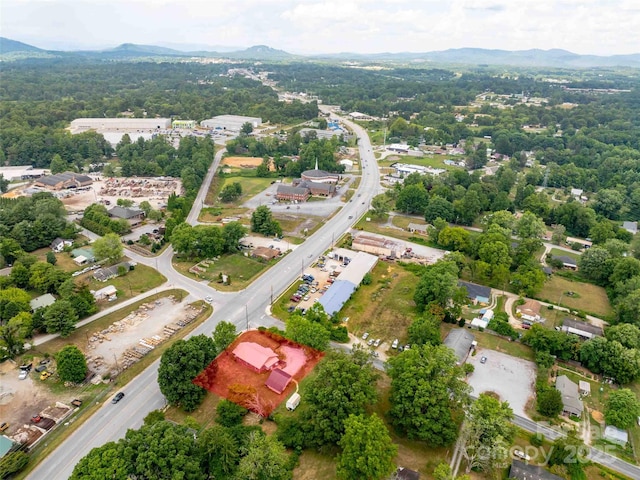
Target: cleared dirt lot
x: 511, y: 378
x: 20, y: 399
x: 106, y: 349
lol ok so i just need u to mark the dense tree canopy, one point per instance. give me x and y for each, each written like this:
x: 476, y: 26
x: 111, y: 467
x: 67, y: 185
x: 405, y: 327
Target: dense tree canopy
x: 71, y: 364
x: 427, y: 394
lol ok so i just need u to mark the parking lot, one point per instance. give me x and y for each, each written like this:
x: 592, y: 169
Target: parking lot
x: 513, y: 379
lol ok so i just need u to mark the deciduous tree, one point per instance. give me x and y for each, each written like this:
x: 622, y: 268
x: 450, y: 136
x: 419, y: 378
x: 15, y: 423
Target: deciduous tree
x: 427, y: 394
x: 61, y: 318
x: 367, y: 450
x: 622, y: 409
x: 108, y: 247
x: 71, y: 364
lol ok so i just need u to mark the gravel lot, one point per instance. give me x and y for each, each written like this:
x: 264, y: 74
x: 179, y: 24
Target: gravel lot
x: 513, y: 379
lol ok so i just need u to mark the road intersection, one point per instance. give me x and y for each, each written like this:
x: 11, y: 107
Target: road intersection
x: 248, y: 308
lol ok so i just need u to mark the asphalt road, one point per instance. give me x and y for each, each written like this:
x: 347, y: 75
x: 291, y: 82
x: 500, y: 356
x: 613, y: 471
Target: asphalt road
x: 247, y: 308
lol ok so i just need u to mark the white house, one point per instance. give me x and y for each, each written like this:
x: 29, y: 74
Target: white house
x: 530, y: 310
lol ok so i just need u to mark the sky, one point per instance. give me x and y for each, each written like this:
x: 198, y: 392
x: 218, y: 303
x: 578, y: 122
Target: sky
x: 599, y: 27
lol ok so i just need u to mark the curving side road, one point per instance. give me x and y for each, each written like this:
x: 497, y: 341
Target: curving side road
x: 245, y: 309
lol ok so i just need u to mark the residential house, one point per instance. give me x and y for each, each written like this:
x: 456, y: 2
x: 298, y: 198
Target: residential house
x: 107, y: 273
x: 631, y: 227
x: 582, y: 329
x: 265, y: 253
x: 477, y: 293
x: 571, y: 403
x: 256, y: 357
x: 567, y: 262
x: 529, y: 310
x: 461, y: 341
x: 417, y: 228
x: 523, y: 471
x: 59, y: 244
x: 42, y: 301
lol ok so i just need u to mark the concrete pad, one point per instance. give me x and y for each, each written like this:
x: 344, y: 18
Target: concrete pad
x: 513, y: 379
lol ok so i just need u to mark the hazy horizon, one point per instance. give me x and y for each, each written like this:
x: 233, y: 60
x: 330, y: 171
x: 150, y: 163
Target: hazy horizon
x: 587, y: 27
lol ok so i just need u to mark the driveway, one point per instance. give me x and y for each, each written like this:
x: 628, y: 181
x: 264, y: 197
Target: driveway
x: 513, y: 379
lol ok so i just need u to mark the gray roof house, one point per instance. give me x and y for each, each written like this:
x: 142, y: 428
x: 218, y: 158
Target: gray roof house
x: 477, y: 293
x: 567, y: 262
x: 582, y: 329
x: 522, y: 471
x: 42, y: 301
x: 631, y: 227
x: 571, y: 403
x: 104, y: 274
x: 461, y: 342
x: 126, y: 213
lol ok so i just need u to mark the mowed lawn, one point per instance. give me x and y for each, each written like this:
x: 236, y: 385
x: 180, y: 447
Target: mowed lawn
x: 426, y: 161
x: 250, y: 186
x: 240, y: 269
x: 139, y: 280
x: 385, y: 308
x: 587, y: 297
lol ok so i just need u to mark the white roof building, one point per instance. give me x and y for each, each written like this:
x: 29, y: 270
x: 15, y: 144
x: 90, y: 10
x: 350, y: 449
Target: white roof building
x: 100, y: 125
x: 616, y: 435
x: 231, y: 123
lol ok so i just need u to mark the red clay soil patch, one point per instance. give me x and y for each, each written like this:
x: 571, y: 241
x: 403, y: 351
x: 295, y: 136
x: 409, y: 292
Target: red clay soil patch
x: 233, y: 380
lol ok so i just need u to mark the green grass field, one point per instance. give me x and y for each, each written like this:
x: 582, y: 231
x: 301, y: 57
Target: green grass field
x: 434, y: 161
x: 137, y: 281
x: 242, y: 270
x: 587, y: 297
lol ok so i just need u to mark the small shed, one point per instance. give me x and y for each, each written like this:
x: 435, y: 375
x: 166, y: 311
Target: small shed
x: 278, y: 380
x: 107, y: 293
x: 80, y: 260
x: 584, y: 387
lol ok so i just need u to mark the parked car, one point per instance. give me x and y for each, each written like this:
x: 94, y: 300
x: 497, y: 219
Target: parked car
x: 370, y: 342
x: 306, y: 297
x: 394, y: 344
x: 119, y: 396
x: 522, y: 455
x: 41, y: 368
x: 23, y: 374
x: 291, y: 308
x: 377, y: 342
x: 76, y: 402
x: 208, y: 299
x: 45, y: 361
x: 26, y: 366
x: 483, y: 359
x: 36, y: 418
x: 45, y: 375
x: 4, y: 426
x: 407, y: 346
x: 365, y: 335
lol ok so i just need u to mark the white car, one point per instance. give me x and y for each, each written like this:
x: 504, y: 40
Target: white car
x: 365, y: 335
x: 377, y: 342
x: 208, y: 299
x: 522, y: 455
x: 395, y: 343
x: 23, y: 374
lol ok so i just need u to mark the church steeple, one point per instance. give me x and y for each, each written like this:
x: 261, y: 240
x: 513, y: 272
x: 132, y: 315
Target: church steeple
x: 316, y: 163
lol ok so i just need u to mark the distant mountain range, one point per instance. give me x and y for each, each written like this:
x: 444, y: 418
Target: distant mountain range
x: 470, y: 56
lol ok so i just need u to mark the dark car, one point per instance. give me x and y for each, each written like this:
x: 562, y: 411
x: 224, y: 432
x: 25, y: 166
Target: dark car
x: 119, y: 396
x: 41, y: 368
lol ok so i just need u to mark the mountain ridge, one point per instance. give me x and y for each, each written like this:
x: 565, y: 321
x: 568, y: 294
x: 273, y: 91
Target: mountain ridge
x: 468, y: 55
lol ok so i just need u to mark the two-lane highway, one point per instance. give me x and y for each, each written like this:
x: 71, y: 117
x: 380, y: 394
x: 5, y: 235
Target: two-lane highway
x: 142, y: 394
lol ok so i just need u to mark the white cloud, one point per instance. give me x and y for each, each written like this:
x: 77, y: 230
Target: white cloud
x: 316, y: 26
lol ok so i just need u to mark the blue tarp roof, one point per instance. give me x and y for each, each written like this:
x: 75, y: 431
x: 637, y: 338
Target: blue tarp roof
x: 336, y: 296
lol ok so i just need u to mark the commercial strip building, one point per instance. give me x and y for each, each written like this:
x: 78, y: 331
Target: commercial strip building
x: 64, y: 180
x: 346, y: 283
x: 124, y: 125
x: 230, y: 123
x: 377, y: 246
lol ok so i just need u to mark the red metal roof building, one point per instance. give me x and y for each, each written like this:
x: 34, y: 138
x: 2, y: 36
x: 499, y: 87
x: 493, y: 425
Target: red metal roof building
x: 278, y: 380
x: 256, y: 357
